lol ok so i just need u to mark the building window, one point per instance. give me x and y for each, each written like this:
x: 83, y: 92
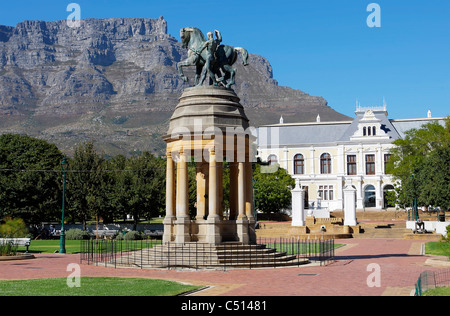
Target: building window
x: 370, y: 164
x: 387, y: 157
x: 299, y: 164
x: 326, y: 192
x: 369, y: 196
x: 272, y: 159
x: 388, y: 192
x: 325, y: 163
x: 374, y: 130
x: 364, y: 131
x: 351, y: 165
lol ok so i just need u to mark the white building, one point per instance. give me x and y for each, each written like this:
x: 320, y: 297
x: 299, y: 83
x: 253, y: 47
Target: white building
x: 327, y: 156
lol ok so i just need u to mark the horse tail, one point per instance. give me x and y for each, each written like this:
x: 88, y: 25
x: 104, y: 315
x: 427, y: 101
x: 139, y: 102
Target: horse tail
x: 244, y: 53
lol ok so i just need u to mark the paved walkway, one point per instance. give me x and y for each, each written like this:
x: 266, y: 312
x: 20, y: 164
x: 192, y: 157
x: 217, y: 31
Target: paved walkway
x: 399, y: 262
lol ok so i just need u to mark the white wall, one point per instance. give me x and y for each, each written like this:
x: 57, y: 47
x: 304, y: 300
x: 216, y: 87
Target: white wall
x: 438, y: 227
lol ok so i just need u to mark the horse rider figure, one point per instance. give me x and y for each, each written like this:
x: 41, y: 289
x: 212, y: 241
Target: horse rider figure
x: 211, y: 46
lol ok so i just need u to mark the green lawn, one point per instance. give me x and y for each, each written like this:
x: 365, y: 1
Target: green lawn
x: 439, y: 291
x: 72, y: 246
x: 50, y: 246
x: 438, y: 248
x: 94, y: 286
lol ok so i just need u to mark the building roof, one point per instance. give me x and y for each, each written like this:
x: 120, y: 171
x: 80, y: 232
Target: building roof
x: 316, y: 133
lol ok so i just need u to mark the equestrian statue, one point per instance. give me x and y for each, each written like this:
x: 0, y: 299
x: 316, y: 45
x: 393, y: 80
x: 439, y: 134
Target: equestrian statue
x: 210, y: 57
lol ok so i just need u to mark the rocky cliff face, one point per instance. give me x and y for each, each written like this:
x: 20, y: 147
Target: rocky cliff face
x: 115, y: 81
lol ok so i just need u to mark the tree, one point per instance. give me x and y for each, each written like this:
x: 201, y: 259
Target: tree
x: 434, y: 179
x: 419, y: 163
x: 30, y: 184
x: 85, y: 189
x: 139, y: 186
x: 272, y: 191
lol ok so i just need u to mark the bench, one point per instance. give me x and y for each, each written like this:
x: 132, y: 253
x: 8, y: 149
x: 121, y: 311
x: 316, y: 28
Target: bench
x: 154, y: 233
x: 16, y: 242
x: 105, y: 233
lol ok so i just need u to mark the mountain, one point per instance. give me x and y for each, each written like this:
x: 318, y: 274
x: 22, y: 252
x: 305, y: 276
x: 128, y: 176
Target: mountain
x: 115, y: 81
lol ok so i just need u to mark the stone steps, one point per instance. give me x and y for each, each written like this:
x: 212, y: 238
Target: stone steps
x: 204, y: 256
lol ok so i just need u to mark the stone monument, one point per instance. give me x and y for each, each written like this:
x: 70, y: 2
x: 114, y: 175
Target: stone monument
x: 310, y: 225
x: 298, y: 205
x: 208, y: 127
x: 350, y: 206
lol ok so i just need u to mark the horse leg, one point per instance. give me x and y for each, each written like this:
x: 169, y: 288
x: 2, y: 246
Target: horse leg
x: 190, y: 61
x: 180, y: 66
x: 230, y: 72
x: 198, y: 72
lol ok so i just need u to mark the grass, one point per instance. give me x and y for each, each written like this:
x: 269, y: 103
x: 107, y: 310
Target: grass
x: 72, y: 246
x: 50, y: 246
x: 438, y: 248
x: 439, y: 291
x: 94, y: 286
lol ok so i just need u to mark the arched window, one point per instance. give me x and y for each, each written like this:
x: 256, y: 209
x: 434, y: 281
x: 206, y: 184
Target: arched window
x: 369, y: 196
x: 272, y: 159
x: 299, y: 164
x: 325, y: 163
x: 374, y: 130
x: 388, y: 190
x: 364, y: 131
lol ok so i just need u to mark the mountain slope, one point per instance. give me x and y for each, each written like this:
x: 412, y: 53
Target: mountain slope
x: 115, y: 81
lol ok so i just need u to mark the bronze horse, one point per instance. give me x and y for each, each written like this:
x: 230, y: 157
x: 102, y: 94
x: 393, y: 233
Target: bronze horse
x: 225, y: 56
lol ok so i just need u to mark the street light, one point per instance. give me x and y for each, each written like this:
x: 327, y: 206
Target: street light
x: 416, y: 214
x: 62, y: 239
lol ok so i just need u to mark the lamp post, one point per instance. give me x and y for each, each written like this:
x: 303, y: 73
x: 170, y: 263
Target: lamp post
x: 416, y: 215
x: 62, y: 239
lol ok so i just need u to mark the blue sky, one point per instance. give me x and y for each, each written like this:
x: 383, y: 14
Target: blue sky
x: 322, y: 47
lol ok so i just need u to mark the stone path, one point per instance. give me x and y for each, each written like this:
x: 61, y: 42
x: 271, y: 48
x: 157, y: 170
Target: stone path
x: 399, y: 261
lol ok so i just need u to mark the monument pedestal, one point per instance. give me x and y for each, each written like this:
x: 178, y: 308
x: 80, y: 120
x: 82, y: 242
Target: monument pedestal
x: 169, y: 232
x: 209, y: 127
x: 182, y: 226
x: 213, y: 231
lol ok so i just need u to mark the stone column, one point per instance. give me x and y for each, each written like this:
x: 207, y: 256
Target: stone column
x: 359, y: 194
x: 349, y: 206
x: 182, y: 204
x: 242, y: 219
x: 249, y: 202
x: 298, y: 203
x: 233, y: 190
x: 170, y: 199
x: 213, y: 233
x: 201, y: 192
x: 241, y: 190
x: 378, y: 194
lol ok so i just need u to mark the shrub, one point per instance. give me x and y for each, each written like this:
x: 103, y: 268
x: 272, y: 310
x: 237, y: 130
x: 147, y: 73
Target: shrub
x: 7, y: 249
x: 13, y: 228
x: 132, y: 235
x: 77, y: 234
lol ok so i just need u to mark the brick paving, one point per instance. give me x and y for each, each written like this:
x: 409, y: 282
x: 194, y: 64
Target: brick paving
x: 399, y: 260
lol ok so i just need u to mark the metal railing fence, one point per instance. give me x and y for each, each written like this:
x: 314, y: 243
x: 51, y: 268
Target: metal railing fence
x: 432, y: 279
x: 150, y: 253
